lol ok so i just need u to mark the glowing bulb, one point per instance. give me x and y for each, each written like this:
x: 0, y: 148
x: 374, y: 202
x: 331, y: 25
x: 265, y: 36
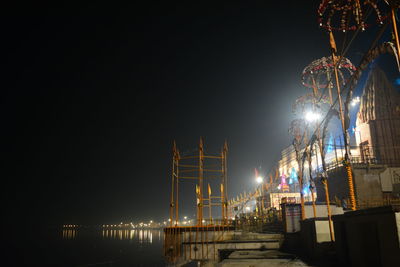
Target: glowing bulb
x: 355, y: 101
x: 312, y: 116
x: 259, y: 179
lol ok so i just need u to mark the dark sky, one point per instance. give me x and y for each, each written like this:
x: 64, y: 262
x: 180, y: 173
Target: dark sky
x: 93, y: 96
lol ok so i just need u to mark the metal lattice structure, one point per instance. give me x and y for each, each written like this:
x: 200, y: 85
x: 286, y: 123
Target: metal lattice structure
x: 196, y: 167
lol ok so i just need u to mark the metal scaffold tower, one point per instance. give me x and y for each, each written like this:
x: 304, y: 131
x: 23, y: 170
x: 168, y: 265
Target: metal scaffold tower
x: 207, y: 171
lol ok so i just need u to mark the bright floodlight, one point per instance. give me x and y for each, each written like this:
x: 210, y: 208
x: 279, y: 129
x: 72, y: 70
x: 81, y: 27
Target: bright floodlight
x: 312, y: 116
x: 259, y: 179
x: 355, y: 101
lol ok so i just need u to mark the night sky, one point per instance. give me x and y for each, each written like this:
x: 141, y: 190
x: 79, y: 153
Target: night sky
x: 93, y: 96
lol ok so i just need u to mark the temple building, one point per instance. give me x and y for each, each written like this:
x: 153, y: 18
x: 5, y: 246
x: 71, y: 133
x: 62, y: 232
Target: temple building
x: 378, y: 121
x: 375, y: 152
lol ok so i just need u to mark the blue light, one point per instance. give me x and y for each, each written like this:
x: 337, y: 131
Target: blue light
x: 306, y: 190
x: 330, y: 144
x: 397, y: 81
x: 290, y: 181
x: 293, y: 175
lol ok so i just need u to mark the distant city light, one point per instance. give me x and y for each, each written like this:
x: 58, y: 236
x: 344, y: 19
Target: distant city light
x: 248, y: 208
x: 259, y: 179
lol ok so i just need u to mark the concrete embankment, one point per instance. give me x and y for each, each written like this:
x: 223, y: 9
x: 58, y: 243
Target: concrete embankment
x: 243, y: 249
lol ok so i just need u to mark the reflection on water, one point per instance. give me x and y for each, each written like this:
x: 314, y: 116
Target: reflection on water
x: 140, y: 236
x: 143, y: 236
x: 86, y: 246
x: 69, y: 233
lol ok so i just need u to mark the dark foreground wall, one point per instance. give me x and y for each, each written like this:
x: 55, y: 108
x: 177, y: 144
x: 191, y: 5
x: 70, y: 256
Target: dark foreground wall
x: 315, y: 238
x: 367, y: 237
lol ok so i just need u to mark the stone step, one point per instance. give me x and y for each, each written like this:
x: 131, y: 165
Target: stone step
x: 206, y: 250
x: 260, y: 258
x: 260, y: 236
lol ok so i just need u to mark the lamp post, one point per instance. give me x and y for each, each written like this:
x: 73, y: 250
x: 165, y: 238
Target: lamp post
x: 343, y: 116
x: 310, y: 118
x: 318, y: 75
x: 260, y: 182
x: 321, y: 144
x: 296, y: 130
x: 353, y: 17
x: 324, y: 179
x: 308, y: 107
x: 308, y: 154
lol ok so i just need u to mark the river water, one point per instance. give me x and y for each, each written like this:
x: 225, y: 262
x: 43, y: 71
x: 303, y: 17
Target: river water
x: 94, y: 247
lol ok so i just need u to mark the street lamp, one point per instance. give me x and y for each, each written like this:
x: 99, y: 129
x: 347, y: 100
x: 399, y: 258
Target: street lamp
x: 312, y: 116
x: 355, y: 101
x: 259, y: 181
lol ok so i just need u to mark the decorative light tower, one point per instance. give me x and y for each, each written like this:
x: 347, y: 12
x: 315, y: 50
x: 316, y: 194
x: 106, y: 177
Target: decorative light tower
x: 318, y: 75
x: 351, y: 14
